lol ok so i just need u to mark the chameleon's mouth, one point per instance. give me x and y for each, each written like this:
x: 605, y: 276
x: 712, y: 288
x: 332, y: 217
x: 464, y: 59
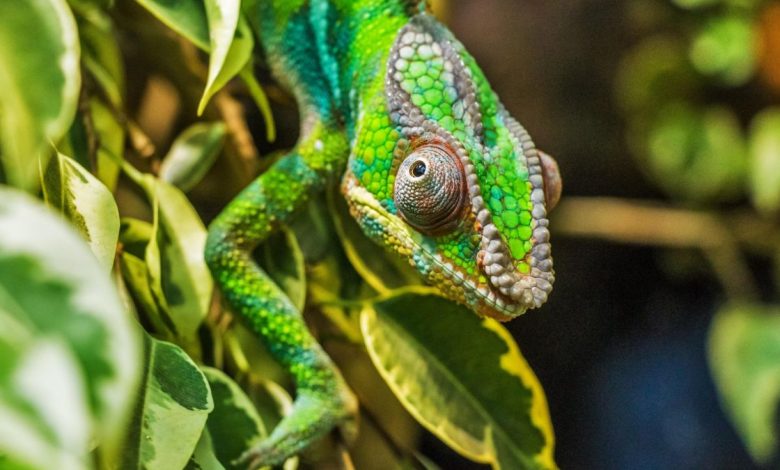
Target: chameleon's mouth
x: 484, y: 299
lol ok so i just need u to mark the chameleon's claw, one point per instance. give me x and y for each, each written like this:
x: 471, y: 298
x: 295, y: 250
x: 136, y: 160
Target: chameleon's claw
x: 312, y: 417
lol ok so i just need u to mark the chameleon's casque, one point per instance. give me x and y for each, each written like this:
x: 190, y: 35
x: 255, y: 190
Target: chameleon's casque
x: 432, y: 167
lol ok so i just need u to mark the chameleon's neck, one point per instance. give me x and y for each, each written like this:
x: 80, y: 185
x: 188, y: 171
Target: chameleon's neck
x: 331, y: 53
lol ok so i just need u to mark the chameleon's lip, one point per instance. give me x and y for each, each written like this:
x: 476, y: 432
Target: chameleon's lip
x: 482, y: 298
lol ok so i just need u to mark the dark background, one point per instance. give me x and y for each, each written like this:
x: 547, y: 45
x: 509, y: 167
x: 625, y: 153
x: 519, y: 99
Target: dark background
x: 621, y: 346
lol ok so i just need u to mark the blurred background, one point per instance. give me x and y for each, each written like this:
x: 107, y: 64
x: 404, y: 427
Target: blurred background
x: 659, y: 114
x: 664, y: 117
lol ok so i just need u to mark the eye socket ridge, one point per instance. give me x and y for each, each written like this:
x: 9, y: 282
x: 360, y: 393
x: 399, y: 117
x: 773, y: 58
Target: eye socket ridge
x: 430, y: 189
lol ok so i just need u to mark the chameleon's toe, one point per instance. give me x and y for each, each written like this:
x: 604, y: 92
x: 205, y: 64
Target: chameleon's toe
x: 313, y: 416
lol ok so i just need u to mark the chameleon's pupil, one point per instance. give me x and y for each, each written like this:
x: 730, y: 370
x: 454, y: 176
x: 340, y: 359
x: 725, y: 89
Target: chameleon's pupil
x: 418, y: 169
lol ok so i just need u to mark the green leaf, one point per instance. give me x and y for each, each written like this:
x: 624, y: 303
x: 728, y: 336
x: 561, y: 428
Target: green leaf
x: 111, y: 145
x: 43, y: 429
x: 260, y: 99
x: 283, y: 261
x: 101, y: 55
x: 67, y: 347
x: 90, y: 5
x: 461, y: 377
x: 204, y: 457
x: 192, y: 154
x: 40, y: 84
x: 186, y: 17
x: 174, y: 257
x: 653, y: 74
x: 231, y: 44
x: 725, y: 49
x: 765, y: 160
x: 87, y: 203
x: 234, y: 425
x: 744, y: 355
x: 136, y: 277
x: 189, y: 18
x: 694, y: 4
x: 134, y: 235
x: 697, y: 154
x: 96, y: 126
x: 174, y: 404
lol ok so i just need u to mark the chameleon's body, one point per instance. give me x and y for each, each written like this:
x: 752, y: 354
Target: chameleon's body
x: 396, y: 111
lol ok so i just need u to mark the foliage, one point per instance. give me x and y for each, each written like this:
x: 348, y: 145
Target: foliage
x: 704, y: 153
x: 114, y: 348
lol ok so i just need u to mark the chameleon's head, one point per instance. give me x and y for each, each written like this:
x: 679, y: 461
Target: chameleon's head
x: 443, y: 175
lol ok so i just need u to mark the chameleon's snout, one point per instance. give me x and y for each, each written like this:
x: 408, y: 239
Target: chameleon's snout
x: 529, y: 290
x: 521, y: 284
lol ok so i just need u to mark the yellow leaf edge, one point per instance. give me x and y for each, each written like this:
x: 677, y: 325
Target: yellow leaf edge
x: 515, y: 364
x: 512, y: 361
x: 367, y: 315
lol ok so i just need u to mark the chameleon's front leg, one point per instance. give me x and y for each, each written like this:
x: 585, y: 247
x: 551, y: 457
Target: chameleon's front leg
x: 322, y: 398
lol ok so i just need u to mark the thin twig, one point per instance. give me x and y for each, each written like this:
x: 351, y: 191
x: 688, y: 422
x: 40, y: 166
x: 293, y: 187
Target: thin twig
x: 233, y: 114
x: 344, y: 458
x: 647, y: 223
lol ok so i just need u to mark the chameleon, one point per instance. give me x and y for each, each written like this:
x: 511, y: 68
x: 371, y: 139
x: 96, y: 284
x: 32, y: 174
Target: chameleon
x: 398, y: 114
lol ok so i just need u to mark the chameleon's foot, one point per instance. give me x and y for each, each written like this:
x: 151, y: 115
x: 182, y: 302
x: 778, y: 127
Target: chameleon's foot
x: 312, y: 417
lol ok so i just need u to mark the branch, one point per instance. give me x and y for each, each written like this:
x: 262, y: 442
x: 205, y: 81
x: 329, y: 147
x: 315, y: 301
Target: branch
x: 718, y: 235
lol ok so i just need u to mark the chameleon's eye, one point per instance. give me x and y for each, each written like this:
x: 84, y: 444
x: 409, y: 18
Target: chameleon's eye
x: 430, y: 189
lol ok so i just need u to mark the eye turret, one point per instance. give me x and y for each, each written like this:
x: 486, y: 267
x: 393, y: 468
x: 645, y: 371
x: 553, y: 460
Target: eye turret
x: 430, y: 189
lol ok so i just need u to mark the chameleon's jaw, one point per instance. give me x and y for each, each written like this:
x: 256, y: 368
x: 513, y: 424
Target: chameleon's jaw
x: 485, y: 299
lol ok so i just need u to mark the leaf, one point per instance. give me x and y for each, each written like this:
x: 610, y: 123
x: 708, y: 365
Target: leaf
x: 136, y: 277
x: 174, y: 257
x: 283, y: 261
x: 186, y: 17
x: 40, y: 428
x: 461, y: 377
x: 250, y: 355
x: 171, y: 414
x: 112, y: 143
x: 231, y: 44
x: 744, y: 355
x: 765, y: 160
x: 66, y: 344
x: 204, y: 457
x: 87, y: 203
x: 101, y: 54
x: 260, y: 99
x: 90, y: 5
x: 96, y: 126
x: 725, y: 49
x: 40, y: 85
x: 697, y: 154
x: 654, y: 73
x: 192, y: 154
x: 234, y: 425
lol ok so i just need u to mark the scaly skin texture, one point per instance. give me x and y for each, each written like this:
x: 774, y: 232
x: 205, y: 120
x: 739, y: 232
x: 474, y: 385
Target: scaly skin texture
x: 429, y: 161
